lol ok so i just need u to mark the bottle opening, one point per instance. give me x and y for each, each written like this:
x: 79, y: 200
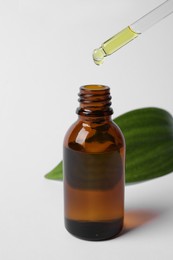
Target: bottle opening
x: 94, y: 87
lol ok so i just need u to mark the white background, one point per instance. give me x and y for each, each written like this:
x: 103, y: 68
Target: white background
x: 45, y: 56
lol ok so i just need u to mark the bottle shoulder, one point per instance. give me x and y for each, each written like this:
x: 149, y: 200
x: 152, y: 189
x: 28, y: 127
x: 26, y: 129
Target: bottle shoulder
x: 83, y: 136
x: 72, y: 131
x: 116, y: 129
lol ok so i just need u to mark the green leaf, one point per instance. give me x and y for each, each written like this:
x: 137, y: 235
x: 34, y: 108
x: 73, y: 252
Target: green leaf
x: 56, y: 173
x: 149, y: 144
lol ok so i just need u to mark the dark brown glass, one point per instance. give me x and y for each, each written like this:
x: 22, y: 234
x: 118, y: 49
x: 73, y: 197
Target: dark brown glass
x: 94, y: 165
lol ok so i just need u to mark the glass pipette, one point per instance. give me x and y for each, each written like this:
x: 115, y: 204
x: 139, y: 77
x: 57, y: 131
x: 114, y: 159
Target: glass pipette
x: 132, y: 31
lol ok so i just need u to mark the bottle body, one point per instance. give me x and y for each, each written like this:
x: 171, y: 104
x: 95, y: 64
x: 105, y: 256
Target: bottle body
x: 94, y: 162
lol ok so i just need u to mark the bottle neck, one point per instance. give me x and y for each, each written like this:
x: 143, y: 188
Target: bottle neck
x: 95, y: 103
x: 94, y: 121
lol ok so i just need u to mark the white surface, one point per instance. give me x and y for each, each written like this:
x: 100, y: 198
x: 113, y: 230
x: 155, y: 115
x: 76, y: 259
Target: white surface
x: 45, y: 56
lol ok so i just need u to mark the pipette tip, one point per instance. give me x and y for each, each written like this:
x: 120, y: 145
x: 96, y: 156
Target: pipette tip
x: 98, y: 56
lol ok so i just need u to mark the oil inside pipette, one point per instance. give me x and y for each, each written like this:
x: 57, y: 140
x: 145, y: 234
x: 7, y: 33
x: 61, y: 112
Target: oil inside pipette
x: 113, y: 44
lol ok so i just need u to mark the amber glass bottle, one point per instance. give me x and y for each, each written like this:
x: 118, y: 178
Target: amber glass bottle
x: 94, y: 162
